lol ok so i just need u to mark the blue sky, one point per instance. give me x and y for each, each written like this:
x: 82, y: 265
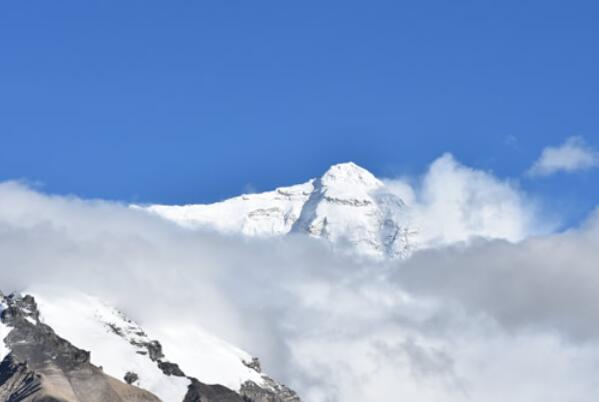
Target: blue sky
x: 187, y: 101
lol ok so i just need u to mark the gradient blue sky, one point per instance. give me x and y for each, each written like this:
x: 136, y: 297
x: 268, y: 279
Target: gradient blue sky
x: 190, y: 101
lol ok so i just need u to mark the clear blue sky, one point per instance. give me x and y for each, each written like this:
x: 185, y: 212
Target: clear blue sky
x: 184, y: 101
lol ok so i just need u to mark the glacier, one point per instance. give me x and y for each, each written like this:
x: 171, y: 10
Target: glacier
x: 347, y: 206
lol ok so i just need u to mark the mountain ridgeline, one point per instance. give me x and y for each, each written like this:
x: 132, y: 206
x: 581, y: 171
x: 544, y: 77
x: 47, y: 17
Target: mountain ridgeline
x: 42, y: 365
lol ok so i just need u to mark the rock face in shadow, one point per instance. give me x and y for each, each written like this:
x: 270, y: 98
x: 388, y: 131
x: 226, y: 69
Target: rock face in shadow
x: 200, y: 392
x: 250, y: 392
x: 43, y: 367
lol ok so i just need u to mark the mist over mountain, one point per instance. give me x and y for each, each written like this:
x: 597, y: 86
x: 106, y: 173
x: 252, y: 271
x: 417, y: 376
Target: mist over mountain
x: 350, y: 208
x: 471, y: 312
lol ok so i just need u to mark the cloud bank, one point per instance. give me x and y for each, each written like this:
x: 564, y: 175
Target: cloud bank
x: 453, y: 203
x: 484, y: 320
x: 573, y: 155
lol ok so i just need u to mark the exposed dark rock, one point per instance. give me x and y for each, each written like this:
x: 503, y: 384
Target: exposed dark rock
x: 169, y: 368
x: 275, y: 392
x: 254, y: 364
x: 34, y: 342
x: 130, y: 377
x: 155, y: 350
x: 17, y: 382
x: 116, y: 330
x: 200, y: 392
x: 19, y: 309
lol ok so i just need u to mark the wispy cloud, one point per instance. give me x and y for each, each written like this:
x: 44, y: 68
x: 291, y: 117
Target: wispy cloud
x: 573, y: 155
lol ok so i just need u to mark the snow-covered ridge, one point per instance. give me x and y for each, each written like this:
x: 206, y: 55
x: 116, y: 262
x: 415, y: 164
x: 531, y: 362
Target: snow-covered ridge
x: 346, y: 205
x: 181, y: 361
x: 265, y: 214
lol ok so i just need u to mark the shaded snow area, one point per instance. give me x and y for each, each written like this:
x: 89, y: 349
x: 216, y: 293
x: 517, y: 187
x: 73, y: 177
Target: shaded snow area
x: 119, y: 346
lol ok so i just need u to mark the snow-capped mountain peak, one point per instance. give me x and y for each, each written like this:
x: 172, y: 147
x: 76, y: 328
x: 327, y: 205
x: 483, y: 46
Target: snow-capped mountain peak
x: 349, y: 177
x: 346, y: 205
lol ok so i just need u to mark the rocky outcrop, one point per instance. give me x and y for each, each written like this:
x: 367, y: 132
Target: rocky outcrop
x: 200, y: 392
x: 273, y: 392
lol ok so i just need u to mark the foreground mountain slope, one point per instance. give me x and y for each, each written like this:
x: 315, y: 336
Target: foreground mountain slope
x: 125, y: 364
x: 346, y: 206
x: 41, y: 366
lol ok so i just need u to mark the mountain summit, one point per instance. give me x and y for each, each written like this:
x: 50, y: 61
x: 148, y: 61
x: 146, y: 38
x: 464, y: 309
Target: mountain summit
x: 347, y: 205
x: 350, y: 176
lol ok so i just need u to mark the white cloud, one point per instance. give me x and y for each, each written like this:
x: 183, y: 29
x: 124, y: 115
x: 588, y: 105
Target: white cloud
x: 454, y: 203
x: 573, y: 155
x: 488, y: 321
x: 545, y: 282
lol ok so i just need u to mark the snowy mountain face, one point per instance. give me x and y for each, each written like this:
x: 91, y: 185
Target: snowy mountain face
x: 346, y: 206
x: 76, y: 348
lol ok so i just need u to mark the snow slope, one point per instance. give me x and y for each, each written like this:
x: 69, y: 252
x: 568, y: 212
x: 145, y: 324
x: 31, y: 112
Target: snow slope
x: 347, y: 206
x: 84, y: 321
x: 265, y: 214
x: 119, y: 345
